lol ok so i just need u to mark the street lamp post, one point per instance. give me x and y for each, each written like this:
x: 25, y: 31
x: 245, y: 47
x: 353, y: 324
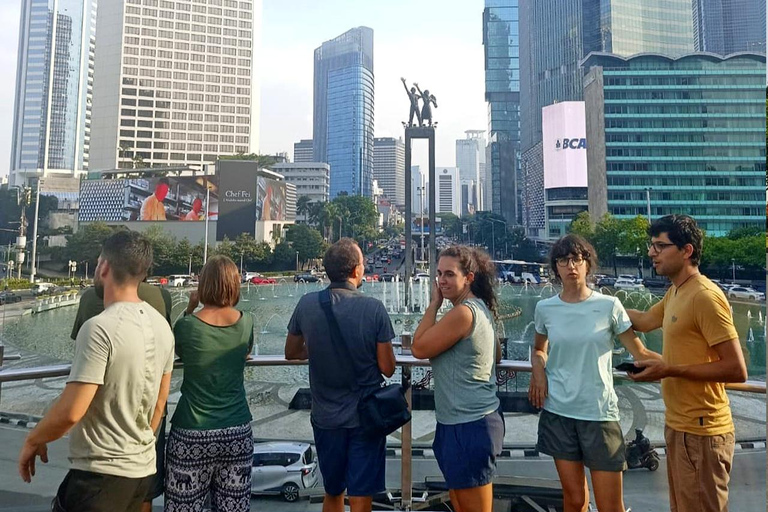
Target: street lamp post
x: 493, y: 231
x: 733, y: 270
x: 297, y: 261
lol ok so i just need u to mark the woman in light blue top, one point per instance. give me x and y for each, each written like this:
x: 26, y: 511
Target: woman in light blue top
x: 463, y: 350
x: 573, y: 380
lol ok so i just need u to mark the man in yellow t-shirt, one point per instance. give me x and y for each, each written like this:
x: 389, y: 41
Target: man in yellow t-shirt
x: 152, y: 208
x: 701, y: 353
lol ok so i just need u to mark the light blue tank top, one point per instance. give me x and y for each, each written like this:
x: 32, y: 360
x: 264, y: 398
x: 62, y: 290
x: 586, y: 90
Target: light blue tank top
x: 465, y: 374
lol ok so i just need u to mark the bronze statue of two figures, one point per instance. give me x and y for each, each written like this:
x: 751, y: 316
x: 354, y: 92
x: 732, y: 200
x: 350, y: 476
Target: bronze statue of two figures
x: 423, y: 116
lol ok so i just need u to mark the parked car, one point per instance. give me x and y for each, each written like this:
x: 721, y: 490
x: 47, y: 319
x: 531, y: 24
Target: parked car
x: 9, y: 298
x: 630, y: 277
x: 178, y: 280
x: 626, y: 284
x: 42, y: 288
x: 743, y: 292
x: 306, y: 278
x: 387, y: 277
x: 284, y: 469
x: 656, y: 282
x: 260, y: 279
x: 606, y: 281
x: 421, y: 275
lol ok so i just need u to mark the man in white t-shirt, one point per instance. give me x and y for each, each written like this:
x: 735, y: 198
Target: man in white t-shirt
x: 115, y: 394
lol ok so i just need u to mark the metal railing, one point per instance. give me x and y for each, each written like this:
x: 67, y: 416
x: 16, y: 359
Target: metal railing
x: 406, y: 362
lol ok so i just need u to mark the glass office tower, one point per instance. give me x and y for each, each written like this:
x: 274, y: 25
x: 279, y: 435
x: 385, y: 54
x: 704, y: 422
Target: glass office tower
x: 343, y: 111
x: 686, y: 133
x: 729, y: 26
x: 54, y: 85
x: 502, y: 92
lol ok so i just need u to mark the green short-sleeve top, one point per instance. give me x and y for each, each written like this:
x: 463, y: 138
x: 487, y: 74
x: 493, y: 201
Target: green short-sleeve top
x: 212, y: 392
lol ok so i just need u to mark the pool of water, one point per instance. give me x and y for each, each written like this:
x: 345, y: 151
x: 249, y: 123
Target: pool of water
x: 272, y: 305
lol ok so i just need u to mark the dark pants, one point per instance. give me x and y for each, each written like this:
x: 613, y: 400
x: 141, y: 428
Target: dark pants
x: 83, y: 491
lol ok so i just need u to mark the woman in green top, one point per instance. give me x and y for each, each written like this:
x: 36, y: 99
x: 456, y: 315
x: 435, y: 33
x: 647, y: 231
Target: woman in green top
x: 210, y: 447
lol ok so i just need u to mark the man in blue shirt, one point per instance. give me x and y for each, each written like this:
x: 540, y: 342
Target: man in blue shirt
x: 349, y: 460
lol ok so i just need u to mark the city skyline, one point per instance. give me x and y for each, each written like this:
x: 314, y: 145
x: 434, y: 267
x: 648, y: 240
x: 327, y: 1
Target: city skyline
x: 290, y: 35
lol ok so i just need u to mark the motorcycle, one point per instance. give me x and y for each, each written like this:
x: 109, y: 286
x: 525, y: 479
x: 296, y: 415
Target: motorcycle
x: 640, y: 453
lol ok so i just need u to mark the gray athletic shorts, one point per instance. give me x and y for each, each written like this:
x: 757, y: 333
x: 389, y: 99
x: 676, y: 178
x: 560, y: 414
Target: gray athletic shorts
x: 598, y: 444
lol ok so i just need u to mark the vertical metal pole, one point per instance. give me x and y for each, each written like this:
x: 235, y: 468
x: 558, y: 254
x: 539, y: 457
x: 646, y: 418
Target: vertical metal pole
x: 406, y: 470
x: 207, y: 212
x: 432, y: 208
x: 408, y: 220
x: 34, y: 234
x: 648, y: 202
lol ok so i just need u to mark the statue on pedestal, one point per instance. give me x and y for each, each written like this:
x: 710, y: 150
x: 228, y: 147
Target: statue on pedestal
x: 426, y: 109
x: 414, y: 97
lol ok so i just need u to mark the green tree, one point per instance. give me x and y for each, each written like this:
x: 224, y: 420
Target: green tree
x: 357, y: 216
x: 307, y: 241
x: 451, y: 224
x: 607, y: 240
x: 261, y: 160
x: 582, y: 225
x: 303, y: 205
x: 284, y: 257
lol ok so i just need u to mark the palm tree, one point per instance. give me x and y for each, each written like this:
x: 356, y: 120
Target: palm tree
x: 329, y: 214
x: 303, y: 205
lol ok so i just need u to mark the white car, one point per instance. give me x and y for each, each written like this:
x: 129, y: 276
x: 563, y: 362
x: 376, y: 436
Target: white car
x: 623, y: 283
x: 177, y: 280
x: 743, y: 292
x: 421, y: 275
x: 283, y: 468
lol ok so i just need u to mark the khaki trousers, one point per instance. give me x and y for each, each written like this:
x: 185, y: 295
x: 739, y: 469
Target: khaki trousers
x: 699, y: 469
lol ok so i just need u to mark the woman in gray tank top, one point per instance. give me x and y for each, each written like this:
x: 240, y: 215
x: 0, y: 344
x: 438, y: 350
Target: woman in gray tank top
x: 463, y: 350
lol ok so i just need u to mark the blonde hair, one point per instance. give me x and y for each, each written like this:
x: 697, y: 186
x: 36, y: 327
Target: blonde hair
x: 219, y: 283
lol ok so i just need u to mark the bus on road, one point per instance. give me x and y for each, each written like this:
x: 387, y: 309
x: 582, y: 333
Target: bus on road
x: 516, y: 271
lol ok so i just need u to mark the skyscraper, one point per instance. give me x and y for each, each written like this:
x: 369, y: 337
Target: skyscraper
x: 175, y: 83
x: 470, y: 159
x: 729, y: 26
x: 502, y: 92
x: 302, y: 151
x: 556, y: 35
x: 343, y: 111
x: 389, y: 167
x: 54, y: 85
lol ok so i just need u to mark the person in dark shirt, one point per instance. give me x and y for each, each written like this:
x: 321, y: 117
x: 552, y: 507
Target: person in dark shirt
x: 349, y: 460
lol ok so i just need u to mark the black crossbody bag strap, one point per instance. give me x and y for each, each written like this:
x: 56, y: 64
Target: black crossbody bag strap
x: 343, y: 355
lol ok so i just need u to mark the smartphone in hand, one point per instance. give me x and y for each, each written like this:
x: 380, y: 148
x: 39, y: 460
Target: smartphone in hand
x: 628, y: 367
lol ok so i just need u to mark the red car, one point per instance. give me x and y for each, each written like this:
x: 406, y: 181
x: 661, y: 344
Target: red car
x: 262, y: 280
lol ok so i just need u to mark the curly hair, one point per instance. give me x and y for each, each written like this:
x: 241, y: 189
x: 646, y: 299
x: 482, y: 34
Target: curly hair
x: 479, y: 263
x: 681, y: 230
x: 572, y: 244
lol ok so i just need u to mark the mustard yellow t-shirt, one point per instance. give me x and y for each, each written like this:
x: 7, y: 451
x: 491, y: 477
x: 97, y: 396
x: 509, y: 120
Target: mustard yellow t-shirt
x: 695, y: 318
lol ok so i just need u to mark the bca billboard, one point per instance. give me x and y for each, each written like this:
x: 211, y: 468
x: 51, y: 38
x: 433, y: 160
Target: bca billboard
x: 564, y: 134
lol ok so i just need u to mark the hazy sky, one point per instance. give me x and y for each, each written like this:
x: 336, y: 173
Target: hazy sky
x: 437, y: 43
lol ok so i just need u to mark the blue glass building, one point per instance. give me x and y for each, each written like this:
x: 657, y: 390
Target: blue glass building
x: 729, y: 26
x: 555, y: 35
x: 502, y: 93
x: 54, y: 86
x: 686, y: 133
x: 343, y: 111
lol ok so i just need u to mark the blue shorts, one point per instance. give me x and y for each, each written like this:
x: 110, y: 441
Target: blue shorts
x: 466, y: 452
x: 350, y: 460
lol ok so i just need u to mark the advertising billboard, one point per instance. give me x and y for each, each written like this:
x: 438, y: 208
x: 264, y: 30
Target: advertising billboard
x: 564, y: 138
x: 148, y: 199
x: 247, y: 196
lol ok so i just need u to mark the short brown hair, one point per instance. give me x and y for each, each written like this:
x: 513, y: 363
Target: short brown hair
x: 129, y: 255
x: 572, y: 244
x: 219, y: 282
x: 341, y: 259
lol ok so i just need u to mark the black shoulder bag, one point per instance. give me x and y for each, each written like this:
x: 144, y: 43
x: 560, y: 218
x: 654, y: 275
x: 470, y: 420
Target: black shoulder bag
x: 382, y: 410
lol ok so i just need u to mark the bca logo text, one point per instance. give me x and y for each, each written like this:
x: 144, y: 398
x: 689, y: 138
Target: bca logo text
x: 571, y: 144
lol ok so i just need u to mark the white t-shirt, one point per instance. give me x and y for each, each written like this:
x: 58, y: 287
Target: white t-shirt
x: 125, y: 350
x: 579, y: 369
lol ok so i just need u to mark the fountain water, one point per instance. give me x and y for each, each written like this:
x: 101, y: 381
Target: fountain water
x: 264, y: 329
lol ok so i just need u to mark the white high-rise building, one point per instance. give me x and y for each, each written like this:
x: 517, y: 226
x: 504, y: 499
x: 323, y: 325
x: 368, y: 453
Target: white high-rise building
x: 447, y: 190
x: 176, y: 83
x: 389, y: 167
x: 54, y: 86
x: 470, y: 159
x: 419, y: 193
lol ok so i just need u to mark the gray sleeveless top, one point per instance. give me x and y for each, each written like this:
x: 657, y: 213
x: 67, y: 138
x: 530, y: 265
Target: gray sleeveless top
x: 465, y: 374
